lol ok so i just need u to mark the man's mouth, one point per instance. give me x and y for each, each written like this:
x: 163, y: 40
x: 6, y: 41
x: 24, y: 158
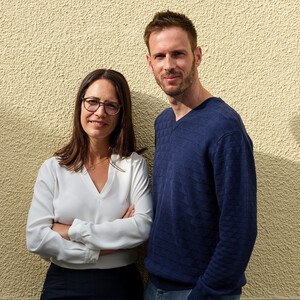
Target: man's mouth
x: 171, y: 78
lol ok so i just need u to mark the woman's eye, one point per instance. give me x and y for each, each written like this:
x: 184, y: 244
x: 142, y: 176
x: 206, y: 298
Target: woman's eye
x: 111, y: 105
x: 92, y: 102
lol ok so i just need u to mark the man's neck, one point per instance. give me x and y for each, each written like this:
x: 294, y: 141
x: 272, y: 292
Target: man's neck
x: 184, y: 103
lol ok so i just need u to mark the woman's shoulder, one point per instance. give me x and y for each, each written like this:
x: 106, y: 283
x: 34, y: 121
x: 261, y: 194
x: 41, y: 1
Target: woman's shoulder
x: 134, y: 156
x: 134, y: 160
x: 51, y: 165
x: 51, y: 162
x: 137, y: 157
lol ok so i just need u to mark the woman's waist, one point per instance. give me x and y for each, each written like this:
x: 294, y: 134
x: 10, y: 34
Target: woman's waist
x: 118, y: 259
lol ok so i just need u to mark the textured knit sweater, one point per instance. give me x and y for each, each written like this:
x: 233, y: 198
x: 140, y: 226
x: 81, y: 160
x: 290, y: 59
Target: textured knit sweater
x: 204, y: 193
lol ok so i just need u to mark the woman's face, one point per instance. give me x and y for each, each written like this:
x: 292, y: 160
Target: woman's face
x: 99, y: 124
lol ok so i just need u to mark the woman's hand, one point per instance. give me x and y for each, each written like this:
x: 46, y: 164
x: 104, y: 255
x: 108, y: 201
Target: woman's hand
x: 129, y: 213
x: 62, y: 229
x: 106, y: 252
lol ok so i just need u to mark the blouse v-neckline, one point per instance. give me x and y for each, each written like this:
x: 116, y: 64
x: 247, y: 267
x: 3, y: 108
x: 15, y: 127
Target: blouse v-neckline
x: 110, y: 178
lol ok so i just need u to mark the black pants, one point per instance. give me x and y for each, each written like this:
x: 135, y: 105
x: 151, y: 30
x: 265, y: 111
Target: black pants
x: 123, y: 283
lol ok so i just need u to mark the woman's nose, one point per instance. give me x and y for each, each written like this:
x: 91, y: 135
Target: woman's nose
x: 100, y: 111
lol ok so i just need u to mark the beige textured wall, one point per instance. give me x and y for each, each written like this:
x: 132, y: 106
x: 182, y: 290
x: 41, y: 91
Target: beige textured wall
x: 251, y: 59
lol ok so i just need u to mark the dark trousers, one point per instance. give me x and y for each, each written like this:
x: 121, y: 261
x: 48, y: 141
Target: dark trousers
x: 123, y: 283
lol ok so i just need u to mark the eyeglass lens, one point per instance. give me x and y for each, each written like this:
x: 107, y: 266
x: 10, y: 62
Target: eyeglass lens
x: 111, y: 108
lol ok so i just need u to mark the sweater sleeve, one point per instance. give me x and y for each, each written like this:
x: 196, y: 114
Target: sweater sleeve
x: 121, y: 233
x: 41, y: 239
x: 235, y: 184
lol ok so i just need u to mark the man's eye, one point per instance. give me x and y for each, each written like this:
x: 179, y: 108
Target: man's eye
x: 160, y: 56
x: 178, y: 54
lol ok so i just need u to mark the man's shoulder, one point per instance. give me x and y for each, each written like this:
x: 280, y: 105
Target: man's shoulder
x: 218, y: 114
x: 164, y: 119
x: 217, y: 106
x: 166, y: 113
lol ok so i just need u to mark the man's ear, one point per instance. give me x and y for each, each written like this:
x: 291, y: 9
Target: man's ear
x: 148, y: 57
x: 198, y: 55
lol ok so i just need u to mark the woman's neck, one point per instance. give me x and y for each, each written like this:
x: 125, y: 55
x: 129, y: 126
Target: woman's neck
x: 98, y: 152
x: 98, y: 159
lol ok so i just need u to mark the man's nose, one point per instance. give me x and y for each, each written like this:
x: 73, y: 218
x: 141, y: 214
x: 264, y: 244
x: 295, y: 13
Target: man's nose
x: 169, y: 63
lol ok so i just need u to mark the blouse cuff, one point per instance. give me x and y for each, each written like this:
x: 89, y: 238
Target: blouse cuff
x: 92, y: 256
x: 75, y: 234
x: 80, y: 231
x: 75, y: 231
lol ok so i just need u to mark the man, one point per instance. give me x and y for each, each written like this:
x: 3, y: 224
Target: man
x: 204, y: 182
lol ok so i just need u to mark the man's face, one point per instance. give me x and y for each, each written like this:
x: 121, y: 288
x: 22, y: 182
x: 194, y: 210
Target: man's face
x: 172, y: 60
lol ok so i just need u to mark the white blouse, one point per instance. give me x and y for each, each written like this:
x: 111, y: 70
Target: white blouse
x: 72, y: 198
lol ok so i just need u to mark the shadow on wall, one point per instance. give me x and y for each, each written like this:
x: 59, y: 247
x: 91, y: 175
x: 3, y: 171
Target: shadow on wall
x: 145, y: 109
x: 24, y: 146
x: 275, y: 265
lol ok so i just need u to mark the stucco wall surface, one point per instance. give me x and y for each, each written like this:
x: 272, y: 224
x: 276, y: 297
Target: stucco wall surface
x: 251, y: 59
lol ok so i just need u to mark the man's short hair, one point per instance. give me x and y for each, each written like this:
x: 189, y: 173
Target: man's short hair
x: 167, y: 19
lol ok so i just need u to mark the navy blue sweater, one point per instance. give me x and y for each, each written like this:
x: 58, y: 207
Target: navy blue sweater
x: 204, y: 193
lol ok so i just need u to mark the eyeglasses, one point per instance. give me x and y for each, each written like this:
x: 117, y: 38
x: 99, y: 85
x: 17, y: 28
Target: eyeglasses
x: 92, y: 104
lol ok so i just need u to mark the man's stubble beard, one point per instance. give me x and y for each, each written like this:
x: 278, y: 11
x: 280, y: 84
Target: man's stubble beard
x: 188, y: 81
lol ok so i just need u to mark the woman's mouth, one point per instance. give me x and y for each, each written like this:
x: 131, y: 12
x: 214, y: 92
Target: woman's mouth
x: 98, y: 124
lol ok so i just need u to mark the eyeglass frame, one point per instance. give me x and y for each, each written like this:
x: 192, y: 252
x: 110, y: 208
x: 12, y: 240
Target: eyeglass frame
x: 84, y: 100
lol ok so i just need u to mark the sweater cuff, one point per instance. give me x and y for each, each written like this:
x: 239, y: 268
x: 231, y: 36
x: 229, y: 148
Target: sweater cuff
x: 196, y: 294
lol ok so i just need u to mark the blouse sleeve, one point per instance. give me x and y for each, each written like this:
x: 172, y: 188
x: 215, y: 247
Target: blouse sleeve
x: 40, y: 238
x: 121, y: 233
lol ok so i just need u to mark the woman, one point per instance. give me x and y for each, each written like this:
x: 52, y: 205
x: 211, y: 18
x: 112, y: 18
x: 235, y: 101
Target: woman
x: 91, y: 204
